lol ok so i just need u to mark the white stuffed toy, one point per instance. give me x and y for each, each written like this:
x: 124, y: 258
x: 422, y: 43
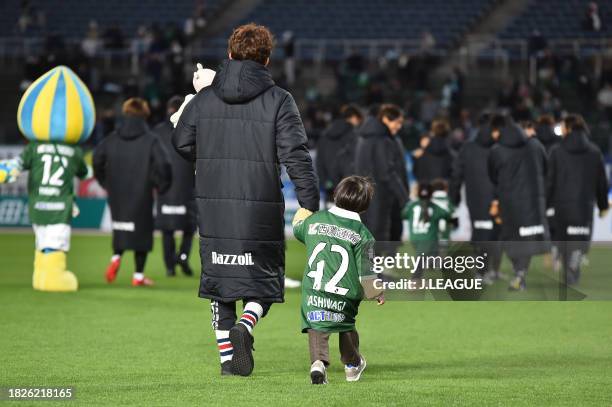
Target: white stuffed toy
x: 202, y: 78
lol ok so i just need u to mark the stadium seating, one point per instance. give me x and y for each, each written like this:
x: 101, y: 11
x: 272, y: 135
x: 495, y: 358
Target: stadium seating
x: 70, y: 18
x: 447, y: 20
x: 558, y: 19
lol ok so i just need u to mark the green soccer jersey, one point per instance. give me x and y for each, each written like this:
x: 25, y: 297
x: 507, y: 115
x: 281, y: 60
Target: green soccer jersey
x: 424, y: 234
x: 52, y: 168
x: 441, y: 199
x: 339, y: 251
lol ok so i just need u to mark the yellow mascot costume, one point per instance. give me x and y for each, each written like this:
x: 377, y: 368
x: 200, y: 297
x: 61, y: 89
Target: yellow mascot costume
x: 55, y: 114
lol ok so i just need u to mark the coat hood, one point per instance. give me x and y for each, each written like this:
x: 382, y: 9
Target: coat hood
x: 132, y: 127
x: 337, y: 129
x: 483, y: 136
x: 512, y: 136
x: 576, y: 142
x: 241, y: 81
x: 372, y: 127
x: 438, y: 146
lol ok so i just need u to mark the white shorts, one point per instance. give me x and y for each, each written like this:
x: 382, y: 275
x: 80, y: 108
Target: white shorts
x: 56, y: 237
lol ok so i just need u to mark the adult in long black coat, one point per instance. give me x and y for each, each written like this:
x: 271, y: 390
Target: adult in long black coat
x: 435, y: 160
x: 130, y: 163
x: 176, y: 209
x: 470, y: 167
x: 239, y: 131
x: 338, y: 136
x: 577, y: 181
x: 517, y: 168
x: 377, y: 156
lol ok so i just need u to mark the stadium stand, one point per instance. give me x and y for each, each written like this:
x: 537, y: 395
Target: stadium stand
x: 446, y: 20
x: 70, y: 18
x: 558, y: 19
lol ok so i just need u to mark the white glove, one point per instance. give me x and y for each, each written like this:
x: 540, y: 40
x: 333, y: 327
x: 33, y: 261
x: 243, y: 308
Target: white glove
x: 202, y: 77
x: 177, y: 115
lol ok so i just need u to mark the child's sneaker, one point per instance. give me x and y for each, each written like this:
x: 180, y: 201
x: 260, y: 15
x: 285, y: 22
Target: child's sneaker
x: 318, y: 373
x: 226, y: 368
x: 242, y: 342
x: 353, y: 373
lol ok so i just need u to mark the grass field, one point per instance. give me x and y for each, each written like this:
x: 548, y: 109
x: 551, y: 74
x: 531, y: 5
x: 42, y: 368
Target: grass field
x: 120, y: 345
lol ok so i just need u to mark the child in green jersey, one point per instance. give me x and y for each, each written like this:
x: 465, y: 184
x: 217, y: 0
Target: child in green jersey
x: 424, y: 218
x: 338, y: 276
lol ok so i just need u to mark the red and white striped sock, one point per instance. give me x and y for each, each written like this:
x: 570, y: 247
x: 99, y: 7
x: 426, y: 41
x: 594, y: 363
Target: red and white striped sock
x: 250, y: 315
x: 224, y: 345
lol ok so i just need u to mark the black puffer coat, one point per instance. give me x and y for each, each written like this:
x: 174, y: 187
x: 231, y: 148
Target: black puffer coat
x: 378, y: 156
x: 517, y: 168
x: 130, y: 163
x: 577, y: 180
x: 436, y: 161
x: 239, y: 131
x: 176, y: 207
x: 333, y: 140
x: 470, y: 167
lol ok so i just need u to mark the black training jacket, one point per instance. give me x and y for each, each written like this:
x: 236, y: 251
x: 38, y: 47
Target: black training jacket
x: 470, y: 167
x: 577, y: 181
x: 130, y: 163
x: 517, y: 168
x: 175, y: 209
x: 239, y: 131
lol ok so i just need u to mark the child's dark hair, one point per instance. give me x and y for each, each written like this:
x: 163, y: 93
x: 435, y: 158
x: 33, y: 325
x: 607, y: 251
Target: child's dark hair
x: 439, y: 184
x: 425, y: 191
x: 354, y: 193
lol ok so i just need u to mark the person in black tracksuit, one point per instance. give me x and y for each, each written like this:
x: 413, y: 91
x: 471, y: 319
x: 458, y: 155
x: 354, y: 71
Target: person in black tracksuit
x: 471, y: 167
x: 435, y: 160
x: 397, y: 222
x: 378, y: 156
x: 335, y: 140
x: 577, y: 180
x: 517, y: 169
x: 545, y: 133
x: 239, y: 131
x: 176, y: 207
x: 130, y: 163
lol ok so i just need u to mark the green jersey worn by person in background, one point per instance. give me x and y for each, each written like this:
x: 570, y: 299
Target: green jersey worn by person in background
x: 424, y: 228
x: 339, y: 248
x: 52, y: 167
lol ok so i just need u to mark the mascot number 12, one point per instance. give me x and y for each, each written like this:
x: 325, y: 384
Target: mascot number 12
x: 55, y: 114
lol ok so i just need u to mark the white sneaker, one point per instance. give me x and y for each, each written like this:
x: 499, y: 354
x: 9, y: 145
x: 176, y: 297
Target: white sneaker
x: 291, y: 283
x: 353, y: 373
x: 318, y: 373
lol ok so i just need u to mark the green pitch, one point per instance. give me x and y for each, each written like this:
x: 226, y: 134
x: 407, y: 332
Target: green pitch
x: 120, y: 345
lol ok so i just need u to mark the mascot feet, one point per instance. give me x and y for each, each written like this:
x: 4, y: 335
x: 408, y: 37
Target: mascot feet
x: 50, y: 273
